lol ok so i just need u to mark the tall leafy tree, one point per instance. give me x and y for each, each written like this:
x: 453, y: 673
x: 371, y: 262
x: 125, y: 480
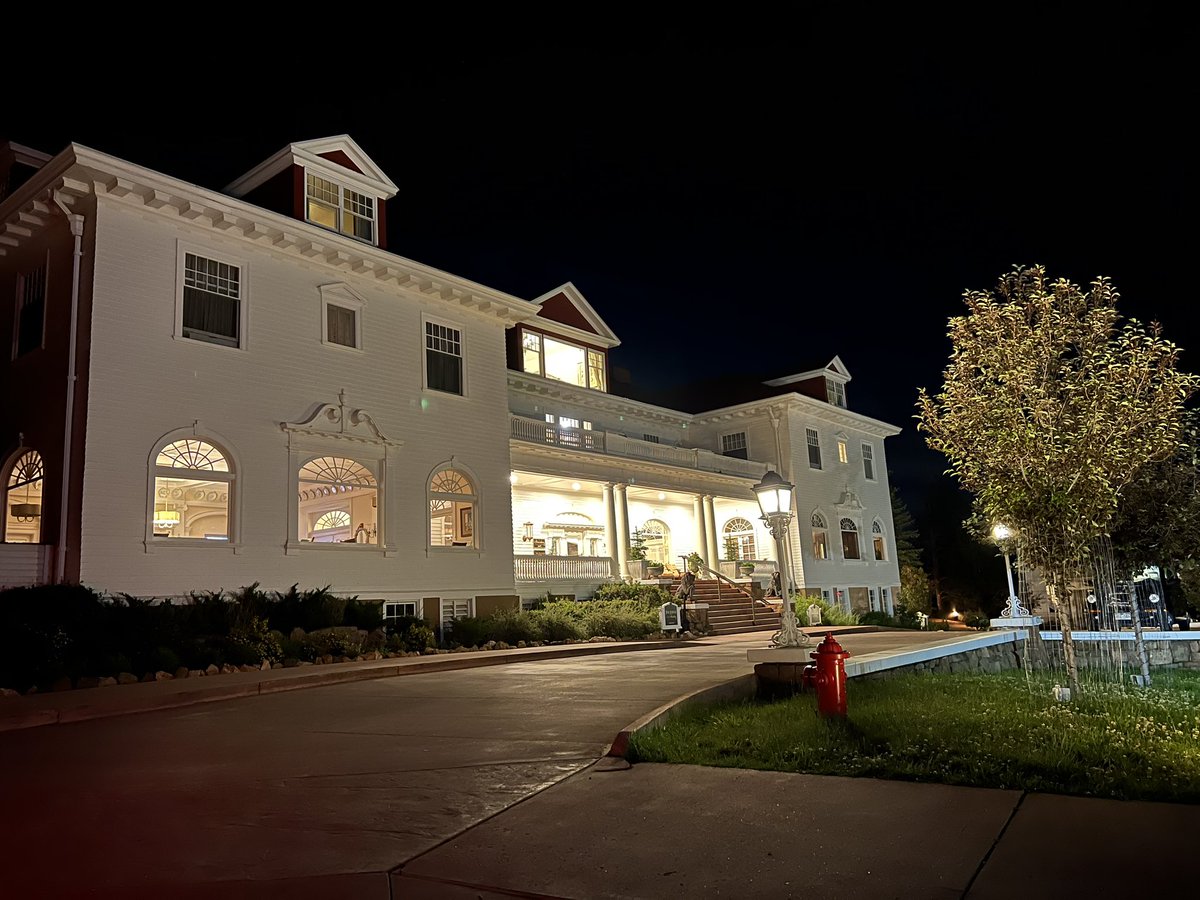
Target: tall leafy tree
x: 1050, y: 405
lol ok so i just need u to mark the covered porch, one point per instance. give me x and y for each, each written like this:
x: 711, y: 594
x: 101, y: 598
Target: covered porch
x: 571, y: 534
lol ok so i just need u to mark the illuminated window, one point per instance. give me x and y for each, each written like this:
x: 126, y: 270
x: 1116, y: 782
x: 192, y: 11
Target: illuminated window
x: 734, y: 445
x: 452, y: 507
x: 338, y: 208
x: 563, y: 361
x: 868, y: 452
x: 443, y: 358
x: 23, y: 499
x: 820, y: 537
x: 843, y: 456
x: 192, y: 492
x: 877, y: 541
x: 339, y: 502
x: 850, y: 540
x: 740, y: 532
x: 835, y: 391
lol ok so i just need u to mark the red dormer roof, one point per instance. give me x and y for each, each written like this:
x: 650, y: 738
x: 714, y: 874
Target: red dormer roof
x: 339, y: 155
x: 566, y: 312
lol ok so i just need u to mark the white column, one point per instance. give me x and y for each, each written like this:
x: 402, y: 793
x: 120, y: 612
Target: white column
x: 710, y: 521
x: 622, y: 527
x: 701, y: 534
x: 610, y: 530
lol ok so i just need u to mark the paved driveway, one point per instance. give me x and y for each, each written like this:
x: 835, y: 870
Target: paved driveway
x: 354, y: 778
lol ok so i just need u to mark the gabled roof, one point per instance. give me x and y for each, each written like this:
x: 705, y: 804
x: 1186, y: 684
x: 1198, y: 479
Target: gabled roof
x: 338, y: 156
x: 564, y: 310
x: 834, y: 367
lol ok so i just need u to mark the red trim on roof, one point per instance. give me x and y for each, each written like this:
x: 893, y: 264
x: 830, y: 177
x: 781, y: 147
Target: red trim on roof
x: 340, y: 157
x: 560, y: 309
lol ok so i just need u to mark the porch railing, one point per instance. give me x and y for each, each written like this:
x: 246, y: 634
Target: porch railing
x: 526, y: 429
x: 563, y: 568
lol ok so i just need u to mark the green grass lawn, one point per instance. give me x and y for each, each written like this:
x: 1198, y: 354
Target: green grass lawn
x: 984, y: 730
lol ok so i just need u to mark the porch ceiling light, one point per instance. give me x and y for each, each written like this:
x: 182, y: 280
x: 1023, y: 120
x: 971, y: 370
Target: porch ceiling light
x: 662, y: 496
x: 512, y: 477
x: 774, y: 497
x: 574, y: 485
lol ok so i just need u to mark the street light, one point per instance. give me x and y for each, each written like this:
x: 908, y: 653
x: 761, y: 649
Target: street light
x: 775, y: 502
x: 1002, y: 535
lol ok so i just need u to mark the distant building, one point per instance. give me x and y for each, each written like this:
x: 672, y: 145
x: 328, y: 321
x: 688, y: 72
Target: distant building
x: 207, y: 389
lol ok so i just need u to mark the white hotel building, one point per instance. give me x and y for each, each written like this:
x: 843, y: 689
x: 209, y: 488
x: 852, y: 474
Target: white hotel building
x: 207, y: 389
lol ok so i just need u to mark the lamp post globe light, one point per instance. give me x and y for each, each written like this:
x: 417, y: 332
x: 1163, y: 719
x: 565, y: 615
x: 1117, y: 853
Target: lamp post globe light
x: 1003, y: 535
x: 775, y: 503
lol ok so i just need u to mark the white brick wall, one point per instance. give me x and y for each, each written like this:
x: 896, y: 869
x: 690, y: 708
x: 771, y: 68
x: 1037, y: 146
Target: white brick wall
x: 145, y: 383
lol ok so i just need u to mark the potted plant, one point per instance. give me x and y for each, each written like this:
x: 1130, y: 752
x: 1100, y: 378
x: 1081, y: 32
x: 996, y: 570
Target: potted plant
x: 746, y: 566
x: 654, y: 568
x: 731, y: 548
x: 694, y: 562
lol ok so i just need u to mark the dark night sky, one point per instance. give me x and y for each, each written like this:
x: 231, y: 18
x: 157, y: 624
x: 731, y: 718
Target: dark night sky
x: 742, y: 204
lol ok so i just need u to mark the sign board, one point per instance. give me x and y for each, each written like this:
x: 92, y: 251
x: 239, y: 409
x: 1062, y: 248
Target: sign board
x: 814, y: 615
x: 668, y: 617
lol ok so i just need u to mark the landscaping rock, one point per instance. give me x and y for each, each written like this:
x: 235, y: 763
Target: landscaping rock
x: 360, y: 659
x: 305, y: 662
x: 147, y: 678
x: 107, y: 681
x: 127, y: 678
x: 520, y: 645
x: 228, y: 669
x: 247, y: 668
x: 290, y: 662
x: 195, y: 673
x: 163, y: 676
x: 182, y: 672
x: 327, y: 659
x: 63, y: 684
x: 9, y: 692
x: 297, y: 634
x: 501, y: 645
x: 490, y: 645
x: 212, y: 669
x: 276, y: 665
x: 88, y: 681
x: 266, y: 664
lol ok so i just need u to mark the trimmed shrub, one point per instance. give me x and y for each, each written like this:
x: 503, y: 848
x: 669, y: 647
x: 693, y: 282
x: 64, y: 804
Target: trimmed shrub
x: 414, y: 636
x: 512, y: 626
x: 877, y: 618
x: 254, y: 642
x: 622, y: 620
x: 831, y: 614
x: 650, y: 596
x: 469, y: 631
x: 906, y: 618
x: 558, y: 624
x: 364, y: 614
x: 335, y: 642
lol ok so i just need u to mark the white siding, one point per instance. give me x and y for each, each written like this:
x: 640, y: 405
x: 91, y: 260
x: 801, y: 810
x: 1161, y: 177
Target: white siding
x: 145, y: 383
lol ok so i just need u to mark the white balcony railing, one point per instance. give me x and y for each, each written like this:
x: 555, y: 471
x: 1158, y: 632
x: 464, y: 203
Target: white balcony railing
x: 611, y: 443
x: 562, y: 568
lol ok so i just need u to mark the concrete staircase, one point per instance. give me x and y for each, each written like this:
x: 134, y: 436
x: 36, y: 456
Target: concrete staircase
x: 729, y: 610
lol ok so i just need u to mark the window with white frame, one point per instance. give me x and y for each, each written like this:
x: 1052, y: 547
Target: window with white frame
x: 452, y: 506
x: 739, y: 537
x: 394, y: 610
x: 453, y: 609
x: 843, y: 455
x: 814, y: 448
x: 22, y: 498
x: 562, y: 360
x: 191, y: 492
x: 338, y: 502
x: 877, y: 541
x: 820, y: 536
x: 734, y: 445
x: 825, y: 594
x: 868, y: 452
x: 339, y: 208
x: 443, y: 358
x: 212, y: 300
x: 850, y: 539
x: 30, y: 327
x: 835, y: 391
x: 871, y: 599
x: 341, y: 318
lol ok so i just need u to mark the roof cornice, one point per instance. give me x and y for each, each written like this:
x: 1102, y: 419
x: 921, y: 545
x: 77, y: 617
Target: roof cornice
x: 835, y: 415
x: 602, y: 336
x: 80, y: 171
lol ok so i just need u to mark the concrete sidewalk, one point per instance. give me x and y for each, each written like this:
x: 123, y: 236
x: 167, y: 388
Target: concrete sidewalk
x: 689, y: 831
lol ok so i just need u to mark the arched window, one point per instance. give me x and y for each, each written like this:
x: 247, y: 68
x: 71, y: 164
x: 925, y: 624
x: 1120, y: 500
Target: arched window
x: 452, y: 506
x: 877, y: 541
x: 850, y: 540
x: 820, y: 536
x: 193, y: 481
x: 339, y: 502
x: 739, y: 537
x: 657, y: 535
x: 23, y: 499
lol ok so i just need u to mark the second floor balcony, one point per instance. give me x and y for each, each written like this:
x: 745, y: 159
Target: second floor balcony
x: 612, y: 443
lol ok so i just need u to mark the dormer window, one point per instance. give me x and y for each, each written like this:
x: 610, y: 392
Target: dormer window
x: 563, y: 361
x: 338, y: 208
x: 836, y: 392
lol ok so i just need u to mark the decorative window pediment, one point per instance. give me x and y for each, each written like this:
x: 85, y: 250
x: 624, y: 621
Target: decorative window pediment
x: 339, y: 421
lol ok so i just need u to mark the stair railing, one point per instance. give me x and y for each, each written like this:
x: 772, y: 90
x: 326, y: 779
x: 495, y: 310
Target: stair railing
x: 737, y: 587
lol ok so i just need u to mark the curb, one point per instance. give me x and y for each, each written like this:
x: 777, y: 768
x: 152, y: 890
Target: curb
x: 36, y: 718
x: 741, y: 688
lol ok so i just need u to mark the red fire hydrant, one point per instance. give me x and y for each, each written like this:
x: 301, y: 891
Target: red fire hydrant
x: 829, y: 677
